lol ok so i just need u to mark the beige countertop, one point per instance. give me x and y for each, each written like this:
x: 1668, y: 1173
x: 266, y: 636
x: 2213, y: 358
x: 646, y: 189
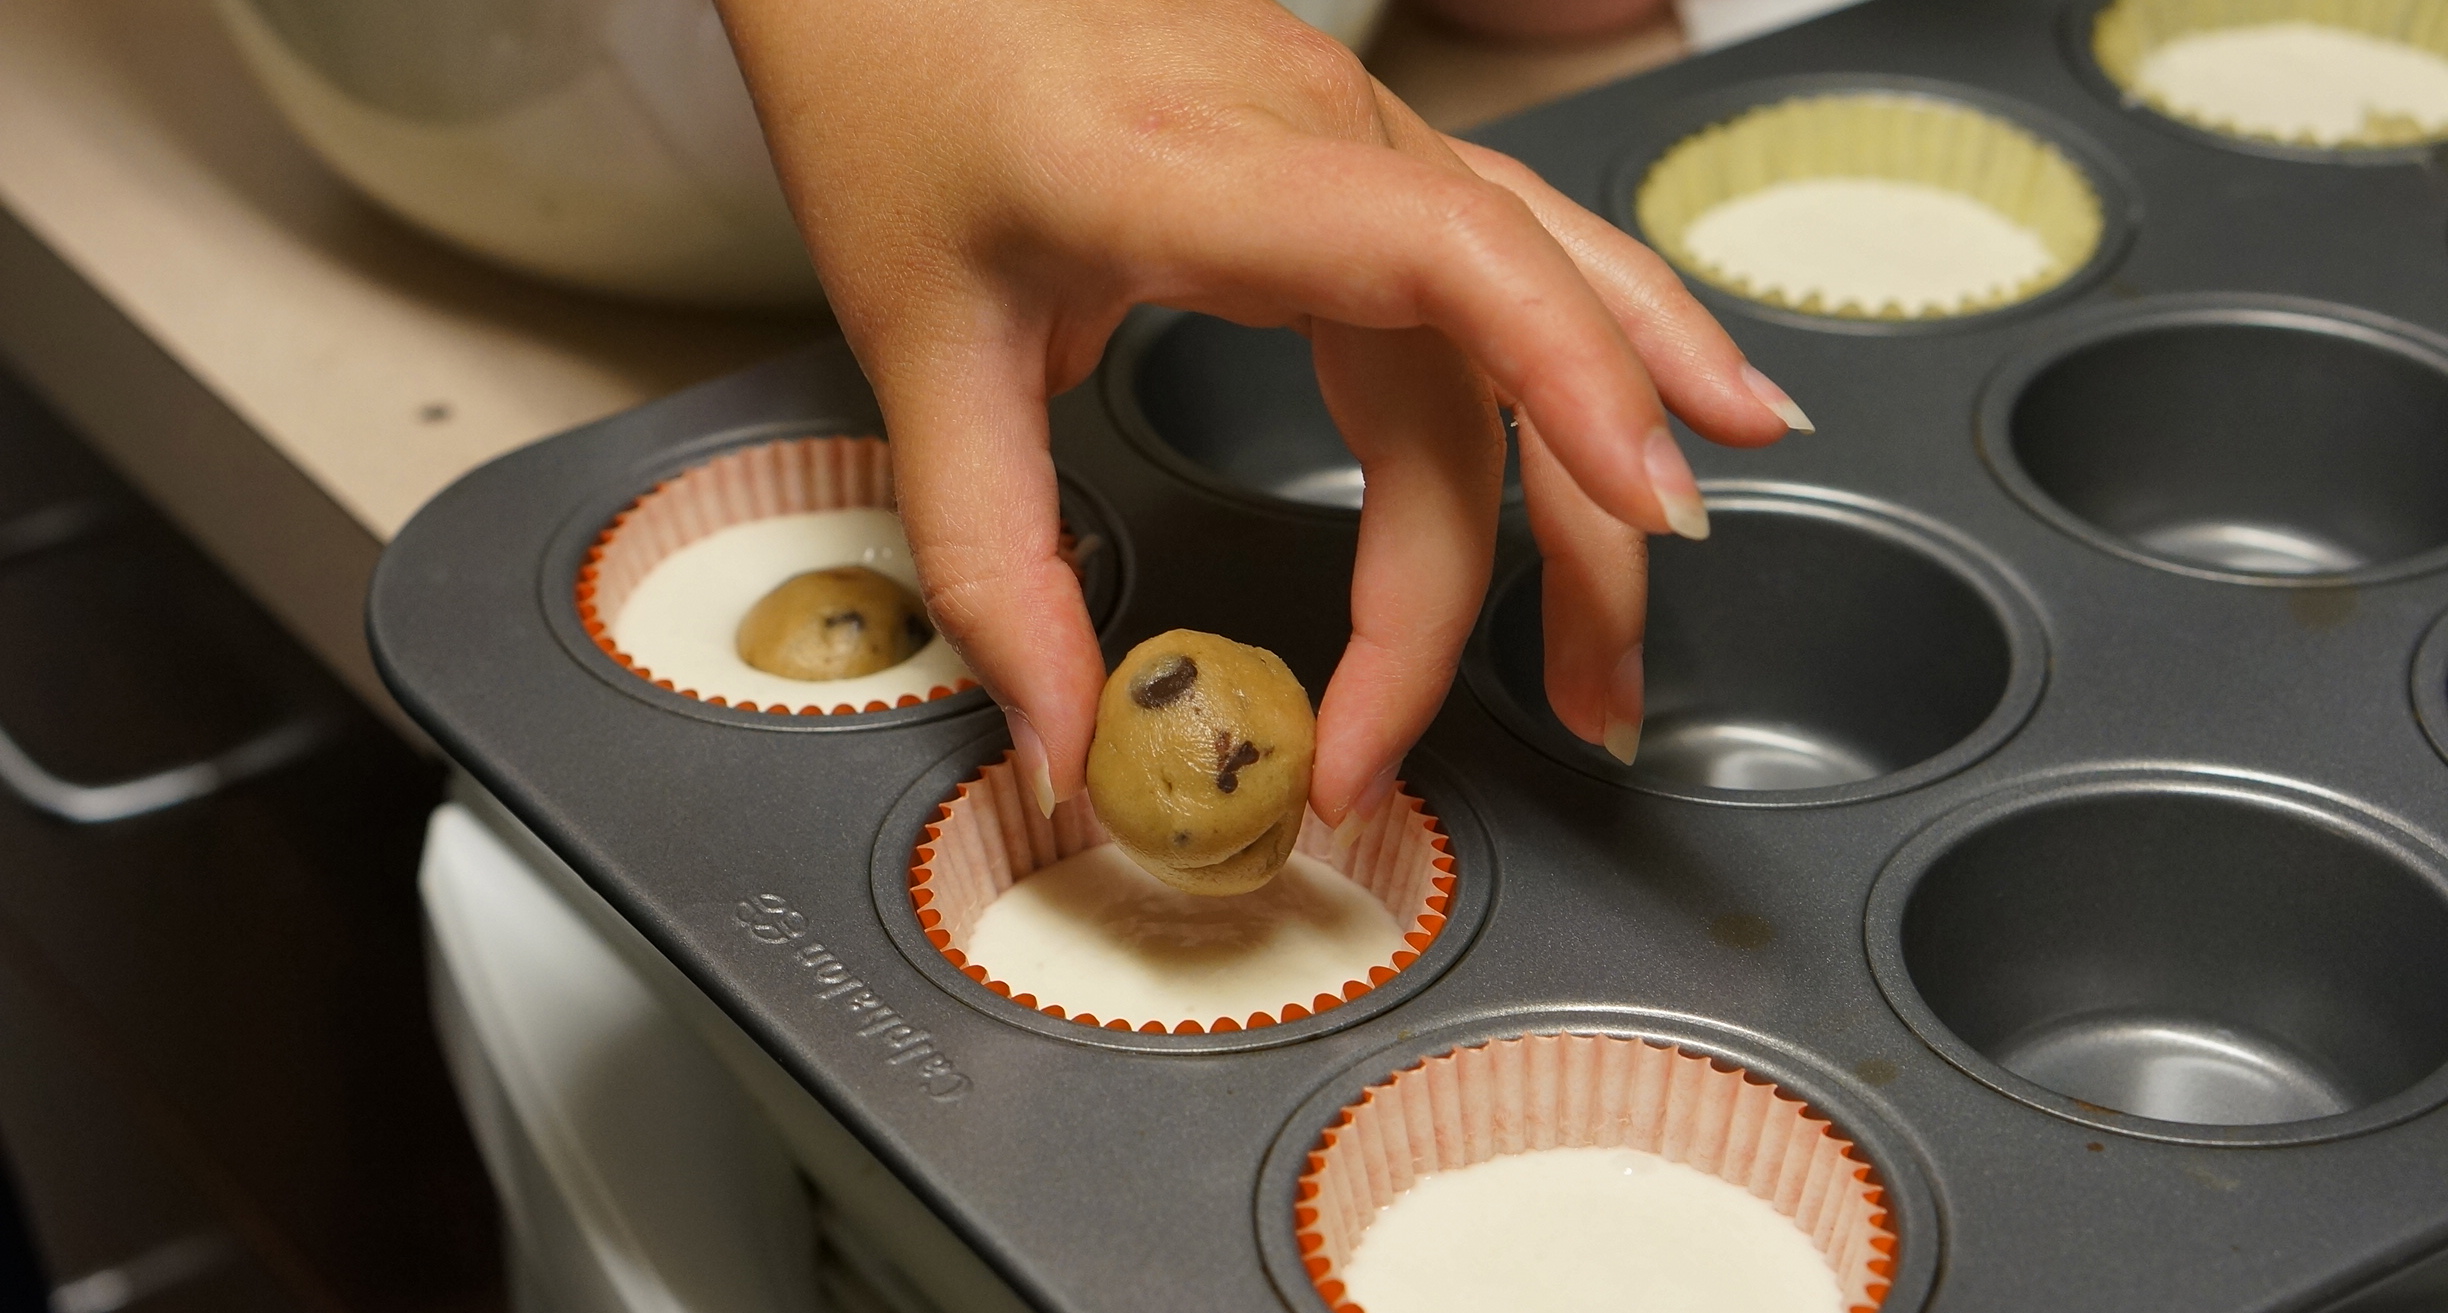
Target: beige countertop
x: 285, y: 368
x: 289, y: 371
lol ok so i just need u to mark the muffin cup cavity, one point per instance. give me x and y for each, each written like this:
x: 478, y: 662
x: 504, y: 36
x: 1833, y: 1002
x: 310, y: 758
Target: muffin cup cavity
x: 2176, y: 956
x: 2136, y: 42
x: 1526, y: 1093
x: 1811, y: 651
x: 756, y: 483
x: 2253, y: 440
x: 1238, y: 410
x: 990, y: 836
x: 769, y: 479
x: 1966, y: 169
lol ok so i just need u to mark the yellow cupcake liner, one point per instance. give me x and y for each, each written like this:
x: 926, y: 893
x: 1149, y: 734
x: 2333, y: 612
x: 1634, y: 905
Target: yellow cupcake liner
x: 2128, y: 31
x: 1534, y: 1092
x: 1879, y: 135
x: 990, y: 835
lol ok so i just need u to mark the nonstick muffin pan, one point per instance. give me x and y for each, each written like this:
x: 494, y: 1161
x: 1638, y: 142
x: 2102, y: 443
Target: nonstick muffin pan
x: 2044, y: 777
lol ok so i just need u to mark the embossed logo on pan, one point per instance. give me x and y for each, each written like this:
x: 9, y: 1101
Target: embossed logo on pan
x: 769, y: 918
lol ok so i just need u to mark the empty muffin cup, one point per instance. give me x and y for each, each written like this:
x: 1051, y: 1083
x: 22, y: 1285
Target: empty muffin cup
x: 2188, y: 951
x: 1050, y: 914
x: 1534, y: 1168
x: 1872, y: 205
x: 2311, y: 74
x: 2251, y: 441
x: 1240, y: 407
x: 1806, y: 651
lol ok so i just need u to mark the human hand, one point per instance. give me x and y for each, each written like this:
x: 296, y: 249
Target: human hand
x: 987, y: 188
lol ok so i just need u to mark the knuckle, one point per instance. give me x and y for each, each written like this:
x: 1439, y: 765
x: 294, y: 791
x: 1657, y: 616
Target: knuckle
x: 1479, y: 214
x: 1329, y: 69
x: 965, y: 592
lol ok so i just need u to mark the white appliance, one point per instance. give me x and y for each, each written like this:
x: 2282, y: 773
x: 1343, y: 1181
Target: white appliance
x: 650, y: 1158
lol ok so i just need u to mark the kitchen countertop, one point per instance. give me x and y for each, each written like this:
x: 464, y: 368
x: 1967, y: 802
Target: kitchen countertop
x: 289, y: 371
x: 283, y: 367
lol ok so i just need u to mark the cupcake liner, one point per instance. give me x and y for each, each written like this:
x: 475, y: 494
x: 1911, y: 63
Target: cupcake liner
x: 991, y: 835
x: 2127, y: 32
x: 1537, y: 1092
x: 786, y: 477
x: 1873, y: 135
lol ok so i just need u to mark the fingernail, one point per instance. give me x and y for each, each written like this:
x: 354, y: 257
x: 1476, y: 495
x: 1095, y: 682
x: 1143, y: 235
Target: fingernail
x: 1678, y: 493
x: 1622, y: 734
x: 1032, y: 754
x: 1776, y: 399
x: 1623, y: 739
x: 1372, y: 800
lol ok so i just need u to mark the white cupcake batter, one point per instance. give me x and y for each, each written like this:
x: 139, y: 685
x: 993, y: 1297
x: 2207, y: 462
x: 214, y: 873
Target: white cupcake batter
x: 2297, y: 80
x: 1586, y: 1231
x: 1869, y: 241
x: 1096, y: 934
x: 682, y: 620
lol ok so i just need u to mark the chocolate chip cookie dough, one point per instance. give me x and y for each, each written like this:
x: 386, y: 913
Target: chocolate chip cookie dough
x: 1200, y: 766
x: 833, y: 624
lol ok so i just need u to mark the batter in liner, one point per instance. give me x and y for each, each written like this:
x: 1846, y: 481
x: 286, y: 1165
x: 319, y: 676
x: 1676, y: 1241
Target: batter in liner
x: 1587, y: 1230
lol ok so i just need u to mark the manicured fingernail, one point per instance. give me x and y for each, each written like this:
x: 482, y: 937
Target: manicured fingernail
x: 1372, y: 800
x: 1623, y: 739
x: 1678, y: 493
x: 1775, y: 399
x: 1624, y: 697
x: 1032, y: 754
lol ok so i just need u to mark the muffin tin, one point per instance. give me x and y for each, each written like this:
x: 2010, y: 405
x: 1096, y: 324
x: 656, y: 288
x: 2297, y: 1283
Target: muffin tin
x: 2044, y: 779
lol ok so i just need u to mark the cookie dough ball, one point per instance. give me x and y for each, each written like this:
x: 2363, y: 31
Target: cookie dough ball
x: 833, y: 624
x: 1200, y: 767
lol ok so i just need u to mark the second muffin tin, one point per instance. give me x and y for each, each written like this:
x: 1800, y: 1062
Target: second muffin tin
x: 2041, y: 779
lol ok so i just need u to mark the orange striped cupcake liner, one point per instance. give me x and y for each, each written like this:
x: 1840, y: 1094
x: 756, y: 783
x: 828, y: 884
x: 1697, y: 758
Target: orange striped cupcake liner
x: 786, y: 477
x: 1534, y: 1092
x: 990, y: 835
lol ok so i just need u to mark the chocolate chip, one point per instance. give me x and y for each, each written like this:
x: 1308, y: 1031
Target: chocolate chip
x: 1165, y: 683
x: 1230, y: 760
x: 915, y: 625
x: 853, y: 619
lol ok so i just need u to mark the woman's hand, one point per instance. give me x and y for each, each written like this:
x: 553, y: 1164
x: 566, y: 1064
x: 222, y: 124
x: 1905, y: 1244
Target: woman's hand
x: 987, y: 187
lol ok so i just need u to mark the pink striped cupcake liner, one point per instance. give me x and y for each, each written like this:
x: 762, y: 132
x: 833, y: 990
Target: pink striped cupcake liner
x: 1534, y: 1092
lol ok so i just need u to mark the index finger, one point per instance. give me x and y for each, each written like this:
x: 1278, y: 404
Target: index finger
x: 978, y: 497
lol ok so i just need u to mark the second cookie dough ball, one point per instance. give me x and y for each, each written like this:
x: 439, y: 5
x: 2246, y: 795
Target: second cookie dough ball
x: 833, y: 624
x: 1200, y: 766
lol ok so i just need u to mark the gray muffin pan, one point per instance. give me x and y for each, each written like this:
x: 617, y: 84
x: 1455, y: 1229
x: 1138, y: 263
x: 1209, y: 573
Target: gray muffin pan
x: 2044, y: 773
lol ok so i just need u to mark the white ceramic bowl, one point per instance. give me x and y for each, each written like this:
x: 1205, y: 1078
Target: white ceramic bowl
x: 607, y: 144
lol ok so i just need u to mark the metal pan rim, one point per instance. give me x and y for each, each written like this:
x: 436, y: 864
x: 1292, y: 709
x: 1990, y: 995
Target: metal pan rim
x: 2008, y: 600
x: 1999, y: 393
x: 1856, y: 1112
x: 1902, y: 874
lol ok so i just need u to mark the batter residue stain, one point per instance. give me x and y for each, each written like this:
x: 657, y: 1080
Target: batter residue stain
x: 1875, y: 1071
x: 2321, y: 608
x: 1742, y: 930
